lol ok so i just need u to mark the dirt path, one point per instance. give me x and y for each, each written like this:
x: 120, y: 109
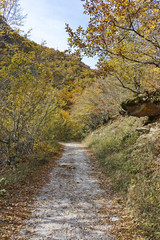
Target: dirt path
x: 73, y: 205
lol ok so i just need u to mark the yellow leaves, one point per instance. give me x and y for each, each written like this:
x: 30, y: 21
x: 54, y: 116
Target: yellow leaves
x: 65, y: 114
x: 156, y: 11
x: 113, y: 22
x: 71, y: 211
x: 88, y: 37
x: 153, y: 25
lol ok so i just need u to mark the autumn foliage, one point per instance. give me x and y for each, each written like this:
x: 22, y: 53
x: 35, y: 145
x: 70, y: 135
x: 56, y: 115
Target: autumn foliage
x: 125, y: 37
x: 48, y: 96
x: 37, y: 85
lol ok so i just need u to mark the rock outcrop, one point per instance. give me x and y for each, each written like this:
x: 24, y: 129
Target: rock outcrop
x: 147, y: 104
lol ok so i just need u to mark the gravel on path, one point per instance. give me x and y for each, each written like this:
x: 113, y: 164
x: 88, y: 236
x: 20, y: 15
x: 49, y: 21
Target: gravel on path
x: 73, y: 205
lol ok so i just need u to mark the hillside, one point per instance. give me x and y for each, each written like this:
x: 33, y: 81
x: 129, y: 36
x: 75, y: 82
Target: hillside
x: 65, y: 68
x: 38, y: 86
x: 130, y: 155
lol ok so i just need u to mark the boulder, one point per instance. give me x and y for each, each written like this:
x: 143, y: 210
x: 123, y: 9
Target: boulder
x: 143, y: 129
x: 147, y: 104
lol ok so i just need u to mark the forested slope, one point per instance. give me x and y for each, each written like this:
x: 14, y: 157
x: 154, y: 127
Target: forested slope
x: 38, y: 86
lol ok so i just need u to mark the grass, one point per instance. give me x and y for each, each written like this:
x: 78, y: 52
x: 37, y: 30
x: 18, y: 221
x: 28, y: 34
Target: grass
x: 129, y: 159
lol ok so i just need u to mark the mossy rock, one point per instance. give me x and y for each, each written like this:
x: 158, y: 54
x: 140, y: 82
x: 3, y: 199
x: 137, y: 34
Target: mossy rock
x: 147, y: 104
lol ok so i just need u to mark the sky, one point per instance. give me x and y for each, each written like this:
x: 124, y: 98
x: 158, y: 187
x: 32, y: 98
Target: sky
x: 47, y: 20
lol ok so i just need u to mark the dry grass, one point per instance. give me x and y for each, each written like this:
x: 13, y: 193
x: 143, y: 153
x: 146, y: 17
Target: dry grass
x: 132, y: 160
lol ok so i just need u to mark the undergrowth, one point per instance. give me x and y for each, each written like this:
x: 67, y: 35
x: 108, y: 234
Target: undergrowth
x: 20, y: 182
x: 129, y: 160
x: 25, y: 169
